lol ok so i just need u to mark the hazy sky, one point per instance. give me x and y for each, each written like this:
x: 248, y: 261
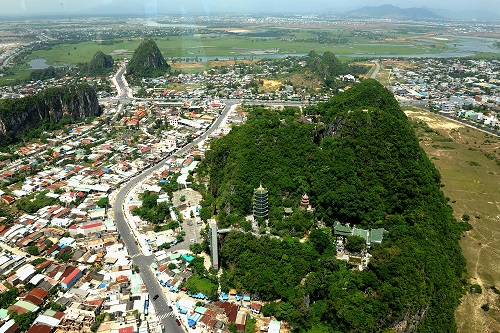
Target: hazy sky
x: 153, y: 7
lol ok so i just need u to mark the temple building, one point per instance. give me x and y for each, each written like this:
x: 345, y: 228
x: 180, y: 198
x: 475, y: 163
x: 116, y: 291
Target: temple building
x: 260, y: 203
x: 305, y: 201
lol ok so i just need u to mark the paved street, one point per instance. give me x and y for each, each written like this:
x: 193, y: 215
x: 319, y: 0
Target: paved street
x: 161, y: 306
x: 377, y: 69
x: 144, y: 262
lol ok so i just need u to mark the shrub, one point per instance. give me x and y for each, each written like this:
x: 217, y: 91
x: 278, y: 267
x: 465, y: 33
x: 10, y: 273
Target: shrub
x: 475, y: 288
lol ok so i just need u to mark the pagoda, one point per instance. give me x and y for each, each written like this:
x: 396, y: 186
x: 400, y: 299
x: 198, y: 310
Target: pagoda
x: 305, y: 201
x: 260, y: 208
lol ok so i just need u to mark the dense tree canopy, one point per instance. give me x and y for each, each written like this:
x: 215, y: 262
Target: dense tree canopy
x: 328, y: 68
x: 101, y: 64
x: 50, y: 72
x: 151, y: 210
x: 147, y: 61
x: 360, y: 163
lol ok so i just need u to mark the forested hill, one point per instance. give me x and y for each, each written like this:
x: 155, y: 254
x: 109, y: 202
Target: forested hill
x: 362, y: 166
x: 328, y: 68
x: 101, y: 64
x: 21, y: 115
x: 147, y: 61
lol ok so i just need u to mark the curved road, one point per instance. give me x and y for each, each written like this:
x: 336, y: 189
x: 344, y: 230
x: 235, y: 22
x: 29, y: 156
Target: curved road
x: 121, y: 84
x: 144, y: 262
x: 377, y: 69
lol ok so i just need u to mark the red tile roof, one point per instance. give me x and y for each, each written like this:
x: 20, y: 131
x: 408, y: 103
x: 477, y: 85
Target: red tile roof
x: 95, y: 302
x: 230, y: 310
x: 53, y: 248
x: 40, y: 328
x: 121, y: 279
x: 18, y: 309
x: 129, y: 329
x: 92, y: 225
x: 73, y: 274
x: 13, y: 329
x: 58, y: 315
x: 39, y: 293
x: 33, y: 299
x: 68, y: 271
x: 43, y: 265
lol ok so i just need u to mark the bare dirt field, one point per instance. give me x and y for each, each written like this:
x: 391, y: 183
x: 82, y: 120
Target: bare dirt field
x: 187, y: 65
x: 469, y: 163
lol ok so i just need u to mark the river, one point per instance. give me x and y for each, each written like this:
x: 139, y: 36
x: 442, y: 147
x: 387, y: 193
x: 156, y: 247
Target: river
x: 463, y: 46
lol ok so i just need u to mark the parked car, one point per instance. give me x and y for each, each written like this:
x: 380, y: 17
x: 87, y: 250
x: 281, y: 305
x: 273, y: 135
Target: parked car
x: 178, y: 322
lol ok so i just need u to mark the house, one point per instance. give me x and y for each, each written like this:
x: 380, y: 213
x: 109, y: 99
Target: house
x: 256, y: 308
x: 23, y: 307
x: 86, y: 228
x: 41, y: 328
x: 69, y: 197
x: 171, y: 142
x: 10, y: 327
x: 133, y: 124
x: 8, y: 200
x: 274, y: 326
x: 71, y: 279
x: 23, y: 274
x: 173, y: 121
x: 95, y: 244
x: 241, y: 320
x: 472, y: 115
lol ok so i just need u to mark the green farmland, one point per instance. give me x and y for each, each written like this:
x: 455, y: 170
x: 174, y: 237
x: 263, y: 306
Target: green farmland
x: 255, y: 43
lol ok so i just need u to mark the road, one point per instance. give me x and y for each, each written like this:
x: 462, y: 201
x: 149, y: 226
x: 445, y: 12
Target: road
x: 377, y: 69
x: 424, y: 105
x: 142, y: 261
x: 121, y: 84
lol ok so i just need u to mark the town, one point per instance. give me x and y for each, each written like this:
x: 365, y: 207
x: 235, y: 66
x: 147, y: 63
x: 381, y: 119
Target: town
x: 69, y: 250
x: 455, y: 87
x: 104, y: 227
x: 70, y: 254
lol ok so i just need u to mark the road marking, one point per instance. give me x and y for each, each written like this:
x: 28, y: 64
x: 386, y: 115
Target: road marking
x: 165, y: 315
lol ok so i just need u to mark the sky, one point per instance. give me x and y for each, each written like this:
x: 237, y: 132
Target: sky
x: 33, y: 8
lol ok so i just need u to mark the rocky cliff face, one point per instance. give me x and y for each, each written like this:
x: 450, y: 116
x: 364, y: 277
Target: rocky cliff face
x: 23, y: 114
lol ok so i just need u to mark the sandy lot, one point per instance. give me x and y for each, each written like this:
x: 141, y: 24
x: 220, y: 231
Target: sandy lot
x: 469, y: 164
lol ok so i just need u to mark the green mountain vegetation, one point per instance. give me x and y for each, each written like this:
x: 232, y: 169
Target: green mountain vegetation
x: 49, y: 73
x: 29, y: 116
x: 360, y: 163
x: 147, y: 61
x: 328, y: 68
x: 101, y: 64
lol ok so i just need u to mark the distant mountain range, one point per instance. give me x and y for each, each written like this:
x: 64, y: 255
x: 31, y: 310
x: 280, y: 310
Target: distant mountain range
x: 152, y: 9
x: 393, y: 12
x: 478, y: 15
